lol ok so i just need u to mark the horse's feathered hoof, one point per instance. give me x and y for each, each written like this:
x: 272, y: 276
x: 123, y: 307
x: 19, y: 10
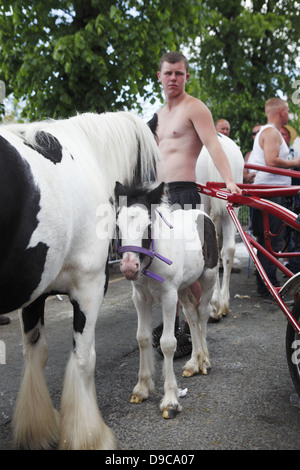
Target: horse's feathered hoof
x: 170, y: 413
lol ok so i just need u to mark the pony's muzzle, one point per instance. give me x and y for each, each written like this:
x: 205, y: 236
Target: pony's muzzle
x: 130, y: 267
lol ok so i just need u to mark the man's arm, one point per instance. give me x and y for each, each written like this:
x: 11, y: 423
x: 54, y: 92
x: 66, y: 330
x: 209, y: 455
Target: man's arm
x: 204, y: 126
x: 270, y: 143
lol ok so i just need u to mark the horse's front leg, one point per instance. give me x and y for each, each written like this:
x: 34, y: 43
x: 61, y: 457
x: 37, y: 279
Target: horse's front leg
x: 35, y: 422
x: 143, y: 303
x: 169, y: 404
x: 82, y: 426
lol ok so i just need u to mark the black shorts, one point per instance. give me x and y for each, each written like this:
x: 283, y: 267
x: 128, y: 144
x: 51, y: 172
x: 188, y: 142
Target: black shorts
x: 184, y: 193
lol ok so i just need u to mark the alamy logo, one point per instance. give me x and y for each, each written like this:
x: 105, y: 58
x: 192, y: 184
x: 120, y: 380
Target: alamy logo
x: 2, y: 352
x: 296, y: 353
x: 296, y: 94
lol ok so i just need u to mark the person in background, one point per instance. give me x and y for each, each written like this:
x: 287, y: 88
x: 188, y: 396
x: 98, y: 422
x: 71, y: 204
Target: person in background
x: 270, y: 149
x: 223, y: 127
x: 289, y: 134
x: 292, y: 239
x: 248, y: 174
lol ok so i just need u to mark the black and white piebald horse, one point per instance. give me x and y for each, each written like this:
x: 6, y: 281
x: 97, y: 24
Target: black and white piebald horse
x: 163, y: 253
x: 57, y: 183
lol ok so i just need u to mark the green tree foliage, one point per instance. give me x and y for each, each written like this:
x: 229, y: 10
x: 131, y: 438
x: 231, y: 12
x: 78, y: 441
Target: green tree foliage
x: 64, y: 57
x: 60, y: 57
x: 246, y: 53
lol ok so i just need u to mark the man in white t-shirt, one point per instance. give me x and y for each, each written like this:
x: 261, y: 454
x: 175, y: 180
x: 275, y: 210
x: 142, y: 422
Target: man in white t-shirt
x: 293, y: 203
x: 270, y: 149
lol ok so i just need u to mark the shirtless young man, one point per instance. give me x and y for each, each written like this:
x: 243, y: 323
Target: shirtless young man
x: 184, y: 125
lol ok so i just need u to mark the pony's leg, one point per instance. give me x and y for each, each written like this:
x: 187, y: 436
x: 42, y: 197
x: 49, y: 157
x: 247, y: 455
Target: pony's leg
x: 143, y: 304
x: 82, y: 426
x: 169, y: 404
x: 191, y: 311
x: 35, y: 422
x: 197, y: 318
x: 216, y: 301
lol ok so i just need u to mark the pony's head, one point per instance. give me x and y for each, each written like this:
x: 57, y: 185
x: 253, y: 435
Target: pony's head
x: 134, y: 220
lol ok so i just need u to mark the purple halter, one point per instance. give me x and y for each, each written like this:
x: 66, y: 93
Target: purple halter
x: 148, y: 252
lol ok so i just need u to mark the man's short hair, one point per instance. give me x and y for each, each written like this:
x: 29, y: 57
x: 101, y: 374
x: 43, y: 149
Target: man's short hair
x: 173, y: 58
x: 273, y: 105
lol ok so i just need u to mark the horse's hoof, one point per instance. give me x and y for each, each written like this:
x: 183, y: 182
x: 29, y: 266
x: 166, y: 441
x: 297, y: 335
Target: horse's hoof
x: 190, y: 372
x: 136, y: 399
x: 170, y: 413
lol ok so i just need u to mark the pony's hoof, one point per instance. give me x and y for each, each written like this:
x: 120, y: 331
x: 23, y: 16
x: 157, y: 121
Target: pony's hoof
x: 170, y: 413
x: 136, y: 399
x: 189, y: 373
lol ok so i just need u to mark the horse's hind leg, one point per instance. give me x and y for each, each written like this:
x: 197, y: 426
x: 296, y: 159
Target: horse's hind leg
x: 35, y: 422
x: 197, y: 317
x: 199, y: 357
x: 221, y: 296
x: 81, y: 423
x: 228, y: 251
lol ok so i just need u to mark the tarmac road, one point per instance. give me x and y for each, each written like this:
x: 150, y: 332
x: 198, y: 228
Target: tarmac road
x: 242, y: 404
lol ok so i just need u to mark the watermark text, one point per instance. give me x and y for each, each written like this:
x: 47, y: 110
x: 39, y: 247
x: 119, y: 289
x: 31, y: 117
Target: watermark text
x: 2, y: 352
x: 296, y: 94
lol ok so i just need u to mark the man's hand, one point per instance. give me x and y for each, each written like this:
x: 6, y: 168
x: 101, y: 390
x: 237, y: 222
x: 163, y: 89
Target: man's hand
x: 233, y: 188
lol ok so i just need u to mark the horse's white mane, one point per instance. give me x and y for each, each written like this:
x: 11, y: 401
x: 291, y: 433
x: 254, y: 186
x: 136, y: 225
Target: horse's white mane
x: 113, y: 140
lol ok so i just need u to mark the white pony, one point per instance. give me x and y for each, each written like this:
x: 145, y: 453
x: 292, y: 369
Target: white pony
x: 216, y: 208
x: 182, y: 249
x: 57, y: 183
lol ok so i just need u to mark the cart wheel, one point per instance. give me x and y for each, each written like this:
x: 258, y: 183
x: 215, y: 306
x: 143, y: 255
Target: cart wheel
x: 293, y: 348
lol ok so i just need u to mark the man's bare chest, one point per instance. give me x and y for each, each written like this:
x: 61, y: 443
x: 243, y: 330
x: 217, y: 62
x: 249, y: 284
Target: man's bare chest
x: 170, y: 128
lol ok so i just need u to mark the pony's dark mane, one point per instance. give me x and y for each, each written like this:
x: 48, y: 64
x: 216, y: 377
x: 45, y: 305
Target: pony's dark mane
x: 136, y: 194
x: 145, y: 194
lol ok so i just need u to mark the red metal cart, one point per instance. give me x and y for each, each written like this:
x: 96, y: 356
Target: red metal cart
x: 254, y: 196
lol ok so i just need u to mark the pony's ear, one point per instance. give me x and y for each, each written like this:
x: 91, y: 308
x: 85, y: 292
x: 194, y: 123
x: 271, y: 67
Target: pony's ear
x: 155, y: 196
x: 120, y: 190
